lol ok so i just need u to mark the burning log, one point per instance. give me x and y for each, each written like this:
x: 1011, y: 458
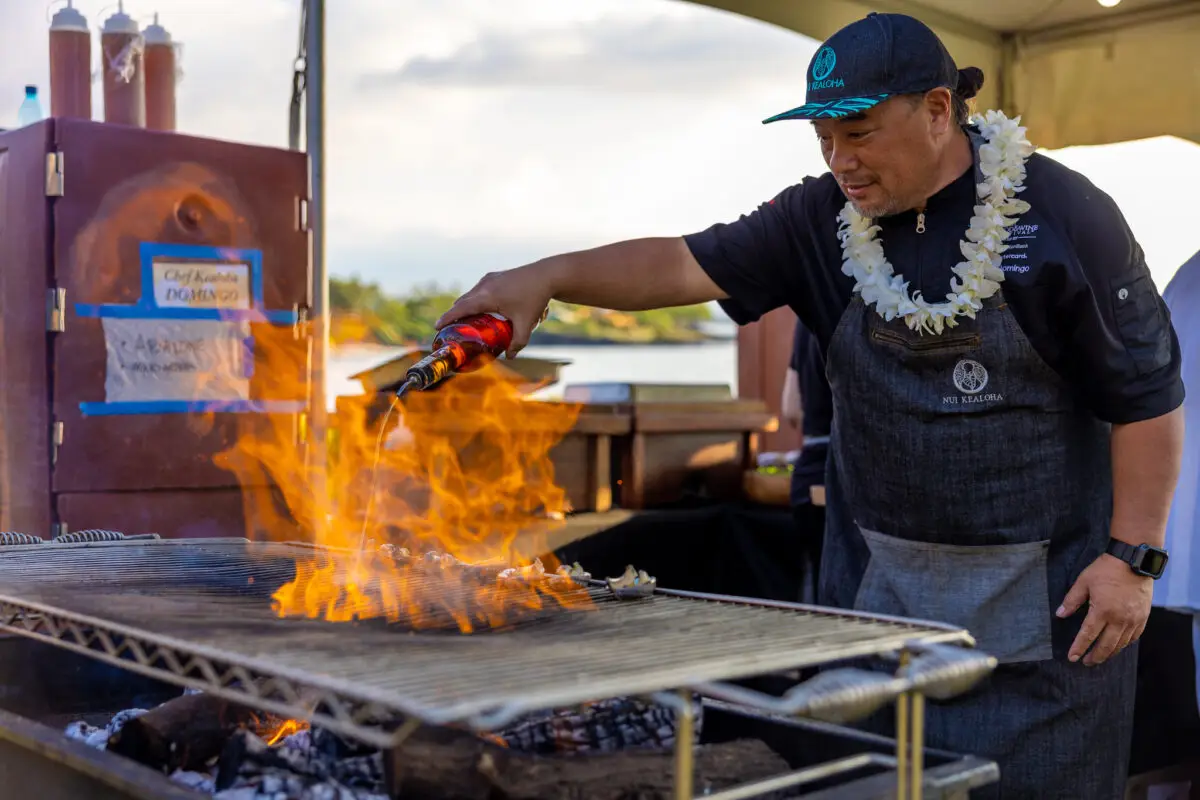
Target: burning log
x: 443, y: 763
x: 185, y: 733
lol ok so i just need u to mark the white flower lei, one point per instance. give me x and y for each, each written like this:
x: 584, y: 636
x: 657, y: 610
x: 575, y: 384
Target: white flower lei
x: 1002, y: 161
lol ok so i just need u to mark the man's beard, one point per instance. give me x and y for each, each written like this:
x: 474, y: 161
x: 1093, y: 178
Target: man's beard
x: 884, y: 208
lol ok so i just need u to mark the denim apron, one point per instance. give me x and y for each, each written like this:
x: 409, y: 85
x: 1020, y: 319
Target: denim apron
x: 967, y: 485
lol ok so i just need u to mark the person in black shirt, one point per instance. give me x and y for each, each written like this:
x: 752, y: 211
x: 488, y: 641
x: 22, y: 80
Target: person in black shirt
x: 1006, y: 432
x: 815, y: 413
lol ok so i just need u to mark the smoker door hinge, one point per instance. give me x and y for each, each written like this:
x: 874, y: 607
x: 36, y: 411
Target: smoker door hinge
x: 54, y: 174
x: 300, y: 326
x: 58, y: 529
x: 57, y: 430
x: 302, y: 215
x: 301, y: 429
x: 56, y: 310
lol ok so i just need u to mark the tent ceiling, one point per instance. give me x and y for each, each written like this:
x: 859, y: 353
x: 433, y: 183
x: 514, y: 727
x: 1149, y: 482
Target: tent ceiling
x: 1027, y: 16
x: 1077, y: 72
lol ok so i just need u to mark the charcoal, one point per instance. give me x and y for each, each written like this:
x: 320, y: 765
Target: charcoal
x: 606, y: 727
x: 183, y: 733
x: 443, y: 763
x: 98, y: 738
x: 199, y: 781
x: 247, y: 758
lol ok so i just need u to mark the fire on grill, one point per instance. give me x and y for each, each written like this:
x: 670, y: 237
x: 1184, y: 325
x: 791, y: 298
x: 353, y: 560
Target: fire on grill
x: 465, y: 483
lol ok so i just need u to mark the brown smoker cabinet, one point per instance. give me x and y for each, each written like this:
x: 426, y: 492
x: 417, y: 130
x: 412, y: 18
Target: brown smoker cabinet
x: 93, y: 218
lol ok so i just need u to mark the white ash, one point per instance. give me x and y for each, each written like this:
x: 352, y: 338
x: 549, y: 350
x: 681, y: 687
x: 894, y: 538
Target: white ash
x: 98, y: 737
x: 310, y: 765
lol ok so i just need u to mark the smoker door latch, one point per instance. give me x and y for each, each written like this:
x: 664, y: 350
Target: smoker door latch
x: 56, y: 310
x: 54, y: 174
x: 58, y: 529
x: 58, y: 430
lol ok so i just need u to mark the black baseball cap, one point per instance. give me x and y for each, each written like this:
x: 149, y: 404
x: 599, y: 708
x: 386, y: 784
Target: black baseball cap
x: 870, y: 60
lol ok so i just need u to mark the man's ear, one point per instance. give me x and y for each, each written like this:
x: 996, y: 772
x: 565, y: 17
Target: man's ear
x: 939, y: 104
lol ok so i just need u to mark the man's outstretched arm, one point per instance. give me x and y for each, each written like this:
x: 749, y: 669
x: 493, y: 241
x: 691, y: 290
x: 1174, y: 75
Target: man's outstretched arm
x: 633, y: 275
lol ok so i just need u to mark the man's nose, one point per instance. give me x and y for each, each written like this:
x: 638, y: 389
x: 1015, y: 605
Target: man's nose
x: 842, y: 159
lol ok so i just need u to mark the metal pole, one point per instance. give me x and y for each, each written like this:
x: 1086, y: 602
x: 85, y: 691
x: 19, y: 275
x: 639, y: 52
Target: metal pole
x: 314, y: 107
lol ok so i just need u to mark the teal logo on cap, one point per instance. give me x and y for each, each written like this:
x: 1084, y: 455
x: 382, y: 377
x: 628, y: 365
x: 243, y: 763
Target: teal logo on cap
x: 824, y: 63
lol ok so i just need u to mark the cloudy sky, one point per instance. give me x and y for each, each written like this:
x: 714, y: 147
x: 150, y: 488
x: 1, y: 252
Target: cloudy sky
x: 467, y: 136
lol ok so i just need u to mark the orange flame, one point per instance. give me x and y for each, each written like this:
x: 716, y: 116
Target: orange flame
x: 466, y: 473
x: 283, y: 730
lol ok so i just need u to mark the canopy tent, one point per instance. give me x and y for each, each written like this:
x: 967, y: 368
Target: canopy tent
x: 1077, y: 72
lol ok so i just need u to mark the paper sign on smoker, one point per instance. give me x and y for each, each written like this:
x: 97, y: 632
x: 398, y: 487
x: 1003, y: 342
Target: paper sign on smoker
x: 195, y: 285
x: 160, y: 359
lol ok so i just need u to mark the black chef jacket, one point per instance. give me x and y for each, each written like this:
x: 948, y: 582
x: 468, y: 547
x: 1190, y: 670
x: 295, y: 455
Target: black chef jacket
x: 1075, y: 278
x: 816, y: 401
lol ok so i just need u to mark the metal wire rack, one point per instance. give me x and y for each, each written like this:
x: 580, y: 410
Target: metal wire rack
x: 197, y: 614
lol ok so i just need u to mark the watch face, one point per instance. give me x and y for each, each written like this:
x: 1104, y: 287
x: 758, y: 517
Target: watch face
x: 1153, y: 562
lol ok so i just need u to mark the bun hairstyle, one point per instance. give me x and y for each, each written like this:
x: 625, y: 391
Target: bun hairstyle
x: 970, y: 81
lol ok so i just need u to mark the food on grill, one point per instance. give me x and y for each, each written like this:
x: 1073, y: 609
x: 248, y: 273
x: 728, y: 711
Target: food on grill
x: 393, y: 552
x: 575, y: 572
x: 531, y: 573
x: 634, y: 584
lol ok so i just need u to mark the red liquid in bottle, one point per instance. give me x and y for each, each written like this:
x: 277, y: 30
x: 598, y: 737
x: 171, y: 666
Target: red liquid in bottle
x: 70, y: 65
x: 462, y: 346
x: 475, y: 340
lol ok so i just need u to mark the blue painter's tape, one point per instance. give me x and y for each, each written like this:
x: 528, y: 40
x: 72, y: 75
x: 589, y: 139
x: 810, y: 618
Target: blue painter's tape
x: 147, y: 307
x: 114, y: 311
x: 248, y: 357
x: 193, y: 407
x: 148, y: 251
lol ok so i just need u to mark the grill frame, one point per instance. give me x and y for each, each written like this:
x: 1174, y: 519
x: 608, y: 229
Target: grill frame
x: 355, y: 711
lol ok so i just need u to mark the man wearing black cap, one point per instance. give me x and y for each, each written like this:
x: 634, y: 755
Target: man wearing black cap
x: 1005, y: 380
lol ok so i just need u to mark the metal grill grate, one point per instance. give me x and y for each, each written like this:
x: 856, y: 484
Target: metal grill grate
x: 187, y: 612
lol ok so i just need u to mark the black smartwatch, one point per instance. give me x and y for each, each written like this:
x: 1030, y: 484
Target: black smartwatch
x: 1142, y: 558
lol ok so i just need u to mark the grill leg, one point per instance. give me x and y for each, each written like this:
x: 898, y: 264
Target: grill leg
x: 685, y: 723
x: 902, y: 747
x: 918, y: 745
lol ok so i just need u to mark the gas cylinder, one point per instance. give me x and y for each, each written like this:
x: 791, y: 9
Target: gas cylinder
x: 160, y: 77
x: 70, y: 64
x: 124, y: 73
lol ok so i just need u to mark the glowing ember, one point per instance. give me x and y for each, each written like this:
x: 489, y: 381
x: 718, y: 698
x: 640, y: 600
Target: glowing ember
x: 285, y: 729
x: 467, y: 476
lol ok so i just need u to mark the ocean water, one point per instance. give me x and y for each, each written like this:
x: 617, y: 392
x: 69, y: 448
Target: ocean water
x: 709, y: 362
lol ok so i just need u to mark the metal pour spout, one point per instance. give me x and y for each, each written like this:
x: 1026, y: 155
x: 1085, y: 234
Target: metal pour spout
x: 411, y: 382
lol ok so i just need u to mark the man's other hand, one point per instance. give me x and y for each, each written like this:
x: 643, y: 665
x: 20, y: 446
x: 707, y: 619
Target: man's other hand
x: 1118, y: 606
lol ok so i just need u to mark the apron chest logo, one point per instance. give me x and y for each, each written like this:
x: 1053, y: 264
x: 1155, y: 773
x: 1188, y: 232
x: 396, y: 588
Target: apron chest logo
x: 970, y: 378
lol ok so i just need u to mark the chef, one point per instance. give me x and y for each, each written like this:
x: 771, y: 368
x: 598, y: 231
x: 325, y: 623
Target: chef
x: 1005, y: 379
